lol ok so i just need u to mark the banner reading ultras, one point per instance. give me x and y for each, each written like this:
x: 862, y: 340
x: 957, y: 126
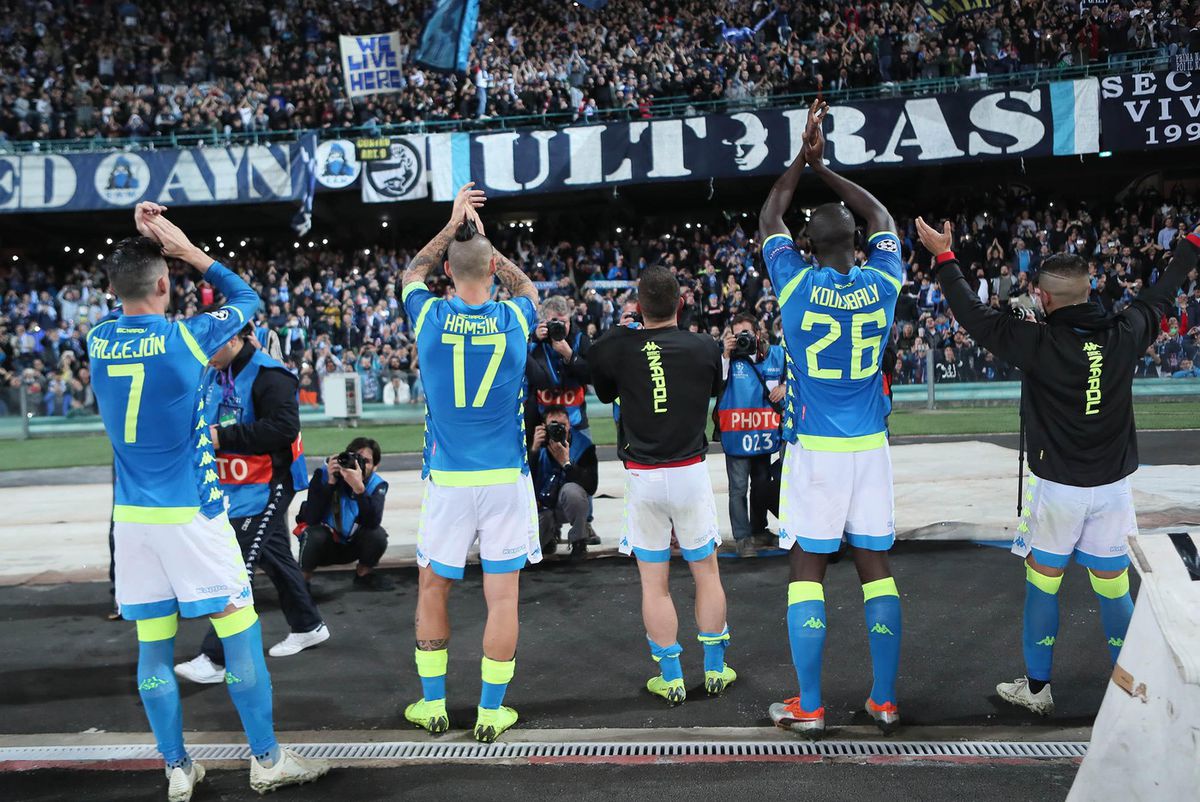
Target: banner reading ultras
x: 1150, y: 110
x: 371, y: 63
x: 1055, y: 120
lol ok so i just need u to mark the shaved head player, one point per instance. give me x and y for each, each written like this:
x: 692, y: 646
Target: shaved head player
x: 472, y: 351
x: 837, y: 473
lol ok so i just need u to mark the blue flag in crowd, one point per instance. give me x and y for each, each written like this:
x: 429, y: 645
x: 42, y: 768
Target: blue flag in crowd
x: 446, y: 40
x: 302, y: 221
x: 594, y: 5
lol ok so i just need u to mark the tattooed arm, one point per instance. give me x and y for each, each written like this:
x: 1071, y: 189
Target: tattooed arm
x: 513, y: 279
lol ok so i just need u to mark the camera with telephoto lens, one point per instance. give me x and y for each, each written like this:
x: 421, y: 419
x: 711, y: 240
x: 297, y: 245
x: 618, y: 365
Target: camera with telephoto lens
x: 556, y: 432
x: 745, y: 344
x: 556, y: 330
x: 351, y: 460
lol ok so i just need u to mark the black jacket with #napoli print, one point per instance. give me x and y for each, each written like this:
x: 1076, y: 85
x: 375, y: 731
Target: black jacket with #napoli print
x: 1076, y: 371
x: 664, y: 378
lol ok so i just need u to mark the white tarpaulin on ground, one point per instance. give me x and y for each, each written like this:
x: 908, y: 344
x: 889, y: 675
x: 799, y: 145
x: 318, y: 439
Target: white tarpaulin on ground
x: 1146, y: 739
x: 975, y: 501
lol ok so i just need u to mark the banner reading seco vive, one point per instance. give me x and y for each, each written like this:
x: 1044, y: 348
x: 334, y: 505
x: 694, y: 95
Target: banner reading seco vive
x: 1150, y: 110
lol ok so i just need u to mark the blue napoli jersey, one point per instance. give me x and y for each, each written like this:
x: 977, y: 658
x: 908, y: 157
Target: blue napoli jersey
x: 147, y: 376
x: 749, y: 425
x: 835, y: 328
x: 472, y: 361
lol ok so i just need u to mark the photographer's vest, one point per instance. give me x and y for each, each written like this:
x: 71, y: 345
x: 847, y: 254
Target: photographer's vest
x: 342, y: 516
x: 572, y: 398
x: 246, y: 478
x: 749, y: 426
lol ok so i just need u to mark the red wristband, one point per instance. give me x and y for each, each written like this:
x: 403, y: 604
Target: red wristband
x: 944, y: 257
x: 1194, y: 239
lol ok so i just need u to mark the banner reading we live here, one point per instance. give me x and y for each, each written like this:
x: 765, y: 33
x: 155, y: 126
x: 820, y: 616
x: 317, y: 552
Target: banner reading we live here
x: 1059, y: 119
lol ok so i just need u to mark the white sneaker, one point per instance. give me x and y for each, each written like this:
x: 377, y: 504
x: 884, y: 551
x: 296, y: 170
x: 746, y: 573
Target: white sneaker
x: 1018, y: 693
x: 180, y: 783
x: 299, y: 641
x: 202, y: 670
x: 290, y: 769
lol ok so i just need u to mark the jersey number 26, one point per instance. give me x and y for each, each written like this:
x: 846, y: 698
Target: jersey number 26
x: 859, y: 345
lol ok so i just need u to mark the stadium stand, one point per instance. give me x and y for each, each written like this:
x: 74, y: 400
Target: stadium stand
x: 110, y: 70
x: 339, y: 310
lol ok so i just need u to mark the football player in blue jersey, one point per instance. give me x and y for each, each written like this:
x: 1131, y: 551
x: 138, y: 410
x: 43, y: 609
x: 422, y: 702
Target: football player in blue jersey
x: 837, y: 474
x: 175, y: 551
x: 472, y: 351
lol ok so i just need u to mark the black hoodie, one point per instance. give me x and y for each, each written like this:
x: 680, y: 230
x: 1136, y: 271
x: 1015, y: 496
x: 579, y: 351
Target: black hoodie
x: 1077, y: 372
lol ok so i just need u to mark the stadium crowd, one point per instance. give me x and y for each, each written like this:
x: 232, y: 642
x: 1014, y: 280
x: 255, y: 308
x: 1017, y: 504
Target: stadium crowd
x: 105, y: 69
x: 335, y: 310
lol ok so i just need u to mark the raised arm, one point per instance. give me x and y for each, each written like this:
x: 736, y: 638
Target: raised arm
x: 857, y: 199
x: 513, y: 279
x: 779, y: 200
x: 434, y: 253
x: 1012, y: 340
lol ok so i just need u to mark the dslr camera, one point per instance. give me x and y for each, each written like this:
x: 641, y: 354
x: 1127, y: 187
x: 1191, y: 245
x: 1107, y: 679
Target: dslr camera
x: 556, y: 330
x: 745, y: 345
x: 351, y: 460
x: 556, y: 432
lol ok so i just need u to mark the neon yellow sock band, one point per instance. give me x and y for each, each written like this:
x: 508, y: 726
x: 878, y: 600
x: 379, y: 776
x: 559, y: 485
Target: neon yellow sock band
x: 432, y: 664
x: 805, y: 591
x: 1113, y: 588
x: 1046, y: 584
x: 152, y: 629
x: 238, y: 621
x: 880, y: 587
x: 498, y: 673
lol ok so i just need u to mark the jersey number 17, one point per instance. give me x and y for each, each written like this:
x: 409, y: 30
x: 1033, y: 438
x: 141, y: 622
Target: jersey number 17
x: 498, y: 343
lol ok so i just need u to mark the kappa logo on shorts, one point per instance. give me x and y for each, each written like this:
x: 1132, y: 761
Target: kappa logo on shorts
x: 1046, y: 641
x: 813, y: 623
x: 881, y: 629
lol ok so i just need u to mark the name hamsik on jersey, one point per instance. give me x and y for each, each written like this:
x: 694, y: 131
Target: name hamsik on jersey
x: 834, y: 327
x: 146, y: 373
x: 473, y: 369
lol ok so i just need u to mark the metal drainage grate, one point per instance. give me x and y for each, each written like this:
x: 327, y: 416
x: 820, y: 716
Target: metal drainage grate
x: 402, y: 751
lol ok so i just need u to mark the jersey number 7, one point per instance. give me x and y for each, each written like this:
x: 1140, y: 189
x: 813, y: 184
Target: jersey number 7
x: 498, y: 342
x: 137, y: 373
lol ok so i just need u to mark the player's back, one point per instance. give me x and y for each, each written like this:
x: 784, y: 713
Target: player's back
x: 834, y: 327
x: 664, y: 378
x: 146, y: 374
x: 472, y: 362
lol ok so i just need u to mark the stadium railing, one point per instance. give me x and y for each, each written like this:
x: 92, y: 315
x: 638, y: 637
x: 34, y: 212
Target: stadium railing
x: 661, y: 108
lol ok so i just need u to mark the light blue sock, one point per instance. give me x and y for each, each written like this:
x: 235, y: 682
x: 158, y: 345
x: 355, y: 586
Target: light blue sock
x: 158, y: 689
x: 496, y: 676
x: 715, y: 644
x: 248, y: 681
x: 1041, y: 623
x: 1116, y: 608
x: 881, y: 605
x: 806, y: 633
x: 667, y: 658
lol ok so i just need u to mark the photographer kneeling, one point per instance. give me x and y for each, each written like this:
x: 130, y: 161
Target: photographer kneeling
x: 565, y: 474
x: 344, y: 515
x: 748, y: 418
